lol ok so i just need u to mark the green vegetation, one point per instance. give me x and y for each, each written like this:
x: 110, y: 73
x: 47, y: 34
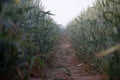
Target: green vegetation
x: 28, y: 36
x: 97, y: 29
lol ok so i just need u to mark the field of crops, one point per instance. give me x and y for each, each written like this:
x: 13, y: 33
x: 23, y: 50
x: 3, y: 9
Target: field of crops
x: 29, y: 36
x: 95, y: 30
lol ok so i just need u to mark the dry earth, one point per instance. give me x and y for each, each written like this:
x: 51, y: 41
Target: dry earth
x: 67, y: 65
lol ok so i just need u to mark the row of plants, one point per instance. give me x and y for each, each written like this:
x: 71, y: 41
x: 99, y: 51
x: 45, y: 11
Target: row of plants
x: 28, y: 36
x: 95, y: 30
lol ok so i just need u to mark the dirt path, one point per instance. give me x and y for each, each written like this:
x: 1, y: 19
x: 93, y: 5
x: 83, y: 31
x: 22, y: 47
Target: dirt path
x: 67, y: 66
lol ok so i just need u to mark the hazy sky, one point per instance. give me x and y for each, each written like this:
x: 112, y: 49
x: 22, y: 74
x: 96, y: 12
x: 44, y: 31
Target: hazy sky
x: 66, y: 10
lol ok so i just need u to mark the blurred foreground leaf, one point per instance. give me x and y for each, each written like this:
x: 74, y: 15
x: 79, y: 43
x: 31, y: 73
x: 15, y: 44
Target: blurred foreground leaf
x: 108, y: 51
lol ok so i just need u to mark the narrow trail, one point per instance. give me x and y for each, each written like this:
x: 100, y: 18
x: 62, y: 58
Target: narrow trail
x: 67, y: 65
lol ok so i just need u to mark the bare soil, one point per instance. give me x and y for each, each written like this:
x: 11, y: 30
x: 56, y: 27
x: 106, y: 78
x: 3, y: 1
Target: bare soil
x: 67, y: 65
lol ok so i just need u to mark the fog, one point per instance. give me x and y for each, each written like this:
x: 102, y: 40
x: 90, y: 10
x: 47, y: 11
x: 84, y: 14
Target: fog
x: 66, y: 10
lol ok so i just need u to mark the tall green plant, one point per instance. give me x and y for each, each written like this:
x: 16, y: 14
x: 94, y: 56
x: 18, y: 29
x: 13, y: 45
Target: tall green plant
x: 27, y: 37
x: 94, y: 30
